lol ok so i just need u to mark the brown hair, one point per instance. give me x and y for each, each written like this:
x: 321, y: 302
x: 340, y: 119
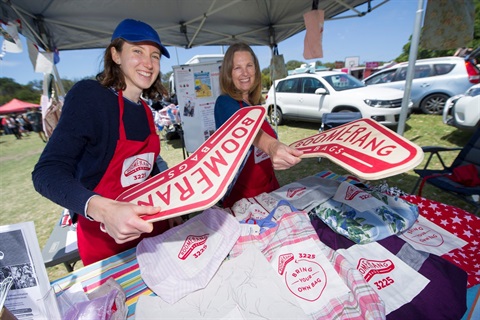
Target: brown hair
x: 112, y: 75
x: 226, y: 82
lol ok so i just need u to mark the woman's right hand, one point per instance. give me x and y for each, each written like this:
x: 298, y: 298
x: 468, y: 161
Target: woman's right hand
x: 120, y: 220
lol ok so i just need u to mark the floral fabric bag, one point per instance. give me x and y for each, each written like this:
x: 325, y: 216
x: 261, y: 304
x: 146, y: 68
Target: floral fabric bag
x: 364, y: 216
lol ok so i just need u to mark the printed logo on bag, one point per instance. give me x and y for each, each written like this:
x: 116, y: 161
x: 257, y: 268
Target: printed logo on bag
x: 365, y: 148
x: 292, y: 192
x: 283, y: 260
x: 192, y: 242
x: 138, y: 165
x: 352, y: 192
x: 256, y: 212
x: 369, y: 268
x: 306, y: 279
x: 424, y: 235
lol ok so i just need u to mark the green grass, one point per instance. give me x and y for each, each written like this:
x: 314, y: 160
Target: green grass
x: 20, y: 202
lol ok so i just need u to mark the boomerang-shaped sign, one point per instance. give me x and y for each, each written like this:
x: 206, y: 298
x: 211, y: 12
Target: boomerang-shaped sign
x: 202, y: 179
x: 364, y: 147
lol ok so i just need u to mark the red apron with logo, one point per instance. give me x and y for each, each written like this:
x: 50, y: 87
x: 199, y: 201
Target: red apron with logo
x: 257, y: 174
x: 132, y: 163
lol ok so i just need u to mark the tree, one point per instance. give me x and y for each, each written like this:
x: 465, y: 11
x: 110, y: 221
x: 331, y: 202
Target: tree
x: 425, y: 53
x: 293, y: 64
x: 9, y: 90
x: 166, y: 78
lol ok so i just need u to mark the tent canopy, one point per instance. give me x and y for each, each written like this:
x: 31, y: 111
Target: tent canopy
x: 88, y: 24
x: 16, y: 106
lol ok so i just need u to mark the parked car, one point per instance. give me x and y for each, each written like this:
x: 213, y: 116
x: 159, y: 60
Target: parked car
x: 434, y: 81
x: 308, y: 96
x: 463, y: 111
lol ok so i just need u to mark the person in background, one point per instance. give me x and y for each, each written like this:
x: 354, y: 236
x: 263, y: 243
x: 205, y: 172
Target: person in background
x: 240, y: 84
x: 104, y: 131
x: 35, y: 118
x: 6, y: 129
x: 13, y: 126
x: 23, y: 125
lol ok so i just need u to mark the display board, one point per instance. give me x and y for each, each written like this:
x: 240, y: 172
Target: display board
x: 197, y: 87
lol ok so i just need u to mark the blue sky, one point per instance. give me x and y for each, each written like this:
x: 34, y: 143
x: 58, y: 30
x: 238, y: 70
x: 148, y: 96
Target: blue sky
x: 378, y: 36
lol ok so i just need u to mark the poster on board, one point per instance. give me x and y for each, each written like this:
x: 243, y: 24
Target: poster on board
x: 197, y: 87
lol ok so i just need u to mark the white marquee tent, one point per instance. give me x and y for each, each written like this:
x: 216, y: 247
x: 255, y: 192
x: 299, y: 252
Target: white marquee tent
x: 87, y: 24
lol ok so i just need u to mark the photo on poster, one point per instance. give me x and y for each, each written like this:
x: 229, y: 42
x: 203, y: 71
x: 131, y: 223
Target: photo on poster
x: 203, y: 86
x: 207, y: 133
x: 189, y: 108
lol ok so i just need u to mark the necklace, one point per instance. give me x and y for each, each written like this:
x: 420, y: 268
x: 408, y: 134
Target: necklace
x: 139, y: 102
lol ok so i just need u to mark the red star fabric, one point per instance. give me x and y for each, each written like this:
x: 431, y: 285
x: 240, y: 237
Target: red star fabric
x: 462, y: 224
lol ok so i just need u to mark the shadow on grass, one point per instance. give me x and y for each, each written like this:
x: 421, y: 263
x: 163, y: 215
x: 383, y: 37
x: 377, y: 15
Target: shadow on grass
x: 458, y: 137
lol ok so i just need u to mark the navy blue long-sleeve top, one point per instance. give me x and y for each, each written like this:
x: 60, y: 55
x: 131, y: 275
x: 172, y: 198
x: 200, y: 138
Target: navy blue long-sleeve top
x: 83, y: 143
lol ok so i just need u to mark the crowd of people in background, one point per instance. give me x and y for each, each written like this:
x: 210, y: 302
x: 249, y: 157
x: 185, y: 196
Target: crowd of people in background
x: 22, y: 125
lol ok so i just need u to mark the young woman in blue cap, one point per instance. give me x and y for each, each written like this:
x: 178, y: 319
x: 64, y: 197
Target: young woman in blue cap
x: 104, y: 143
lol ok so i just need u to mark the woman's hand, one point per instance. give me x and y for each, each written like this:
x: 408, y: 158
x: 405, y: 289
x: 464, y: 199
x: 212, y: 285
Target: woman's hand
x: 120, y: 220
x: 282, y: 156
x: 173, y: 222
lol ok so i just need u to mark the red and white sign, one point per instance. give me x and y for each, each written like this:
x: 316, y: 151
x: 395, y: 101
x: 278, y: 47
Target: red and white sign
x: 202, y: 179
x: 364, y: 147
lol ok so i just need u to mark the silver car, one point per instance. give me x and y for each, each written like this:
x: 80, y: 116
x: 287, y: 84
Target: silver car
x: 435, y: 81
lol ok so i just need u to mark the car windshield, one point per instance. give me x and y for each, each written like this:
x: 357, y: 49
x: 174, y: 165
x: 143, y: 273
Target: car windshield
x: 472, y: 92
x: 341, y: 82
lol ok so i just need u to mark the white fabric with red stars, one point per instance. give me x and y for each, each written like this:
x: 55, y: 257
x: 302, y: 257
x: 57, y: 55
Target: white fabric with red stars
x: 460, y: 223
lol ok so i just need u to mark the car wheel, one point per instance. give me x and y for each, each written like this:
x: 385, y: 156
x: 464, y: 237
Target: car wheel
x: 276, y: 118
x: 434, y: 103
x: 345, y: 110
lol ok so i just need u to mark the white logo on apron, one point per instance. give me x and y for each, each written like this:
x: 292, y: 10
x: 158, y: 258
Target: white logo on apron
x: 137, y: 168
x: 259, y: 155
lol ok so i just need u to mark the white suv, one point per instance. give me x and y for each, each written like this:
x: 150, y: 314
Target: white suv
x: 434, y: 81
x: 308, y: 96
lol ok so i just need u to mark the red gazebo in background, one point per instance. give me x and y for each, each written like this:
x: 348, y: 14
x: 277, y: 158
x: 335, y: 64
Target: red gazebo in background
x: 17, y: 106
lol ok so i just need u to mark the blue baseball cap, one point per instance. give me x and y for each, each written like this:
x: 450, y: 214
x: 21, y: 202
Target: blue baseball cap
x: 138, y: 31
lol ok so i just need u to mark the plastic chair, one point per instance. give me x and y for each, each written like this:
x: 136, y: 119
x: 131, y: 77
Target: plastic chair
x: 335, y: 119
x: 469, y: 154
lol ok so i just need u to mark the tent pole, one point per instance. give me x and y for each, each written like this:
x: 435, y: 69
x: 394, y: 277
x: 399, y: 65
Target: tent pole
x: 61, y: 89
x: 412, y: 57
x: 274, y: 93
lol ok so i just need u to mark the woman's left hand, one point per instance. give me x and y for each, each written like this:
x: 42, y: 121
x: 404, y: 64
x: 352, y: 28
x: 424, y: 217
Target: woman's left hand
x: 173, y: 222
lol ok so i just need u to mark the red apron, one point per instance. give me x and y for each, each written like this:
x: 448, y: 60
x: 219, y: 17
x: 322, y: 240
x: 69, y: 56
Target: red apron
x: 257, y: 175
x: 131, y: 163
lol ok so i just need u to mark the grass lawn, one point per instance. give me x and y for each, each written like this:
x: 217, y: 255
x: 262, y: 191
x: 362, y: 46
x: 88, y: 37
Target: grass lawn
x: 20, y: 202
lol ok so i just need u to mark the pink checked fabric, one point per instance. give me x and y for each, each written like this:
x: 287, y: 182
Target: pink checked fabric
x: 295, y: 227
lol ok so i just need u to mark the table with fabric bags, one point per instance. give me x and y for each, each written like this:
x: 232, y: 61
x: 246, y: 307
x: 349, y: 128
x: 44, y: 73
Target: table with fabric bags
x: 303, y: 252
